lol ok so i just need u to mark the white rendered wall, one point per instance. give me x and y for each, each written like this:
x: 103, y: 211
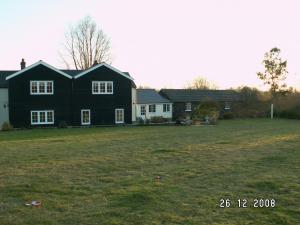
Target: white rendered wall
x: 133, y: 104
x: 4, y: 116
x: 158, y: 112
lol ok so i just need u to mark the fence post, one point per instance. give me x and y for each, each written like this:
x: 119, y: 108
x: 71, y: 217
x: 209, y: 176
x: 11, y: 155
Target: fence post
x: 272, y: 111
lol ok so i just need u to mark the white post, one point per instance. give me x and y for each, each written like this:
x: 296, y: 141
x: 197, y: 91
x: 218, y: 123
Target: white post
x: 272, y: 111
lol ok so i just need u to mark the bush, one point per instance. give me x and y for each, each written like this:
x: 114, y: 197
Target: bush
x: 63, y: 124
x: 228, y: 115
x: 157, y: 119
x: 207, y: 111
x: 6, y: 126
x: 147, y: 121
x: 140, y: 120
x: 289, y: 114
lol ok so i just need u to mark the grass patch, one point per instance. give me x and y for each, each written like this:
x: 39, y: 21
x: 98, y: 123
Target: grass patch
x: 109, y: 175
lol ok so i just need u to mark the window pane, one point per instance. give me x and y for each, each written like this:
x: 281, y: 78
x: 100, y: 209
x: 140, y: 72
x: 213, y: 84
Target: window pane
x: 119, y: 115
x: 49, y: 87
x: 166, y: 108
x: 50, y: 117
x: 152, y: 108
x: 188, y: 107
x: 95, y: 87
x: 33, y: 87
x: 109, y: 87
x: 42, y: 87
x: 86, y: 116
x: 34, y: 117
x: 102, y: 87
x: 42, y: 117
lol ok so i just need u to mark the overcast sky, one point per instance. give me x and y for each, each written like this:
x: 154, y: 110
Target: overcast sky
x: 162, y: 43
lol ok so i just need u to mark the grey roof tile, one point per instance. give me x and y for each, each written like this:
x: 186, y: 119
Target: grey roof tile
x: 148, y: 96
x: 190, y: 95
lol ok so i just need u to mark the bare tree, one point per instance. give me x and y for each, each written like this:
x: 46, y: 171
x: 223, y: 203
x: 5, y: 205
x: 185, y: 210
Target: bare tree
x: 201, y: 83
x: 86, y: 44
x: 144, y: 87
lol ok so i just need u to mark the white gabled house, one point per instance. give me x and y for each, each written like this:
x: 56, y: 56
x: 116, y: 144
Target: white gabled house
x: 149, y: 103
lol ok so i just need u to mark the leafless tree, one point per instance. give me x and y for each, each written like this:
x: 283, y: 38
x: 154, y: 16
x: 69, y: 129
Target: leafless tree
x: 85, y: 44
x: 201, y: 83
x: 144, y: 87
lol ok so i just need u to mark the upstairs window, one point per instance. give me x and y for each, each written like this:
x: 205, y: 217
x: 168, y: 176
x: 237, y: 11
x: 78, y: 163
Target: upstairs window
x: 102, y: 87
x: 166, y: 107
x: 188, y: 106
x: 152, y: 108
x: 41, y: 87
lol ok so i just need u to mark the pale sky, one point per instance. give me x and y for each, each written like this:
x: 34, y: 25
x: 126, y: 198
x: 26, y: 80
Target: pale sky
x: 162, y: 43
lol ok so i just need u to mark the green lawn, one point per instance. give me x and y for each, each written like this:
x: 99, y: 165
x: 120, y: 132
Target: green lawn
x: 108, y: 175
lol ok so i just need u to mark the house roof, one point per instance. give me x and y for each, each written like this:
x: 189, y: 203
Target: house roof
x: 83, y: 72
x: 190, y: 95
x: 37, y: 64
x: 7, y: 74
x: 148, y: 96
x: 72, y: 73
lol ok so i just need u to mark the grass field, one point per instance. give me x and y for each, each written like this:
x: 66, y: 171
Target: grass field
x: 108, y: 175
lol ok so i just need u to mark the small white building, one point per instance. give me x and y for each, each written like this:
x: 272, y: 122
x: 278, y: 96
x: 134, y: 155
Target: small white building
x: 149, y: 103
x: 4, y: 117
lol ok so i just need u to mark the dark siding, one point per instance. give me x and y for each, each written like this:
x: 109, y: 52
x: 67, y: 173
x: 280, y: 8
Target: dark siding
x: 102, y: 106
x: 179, y: 109
x: 21, y: 102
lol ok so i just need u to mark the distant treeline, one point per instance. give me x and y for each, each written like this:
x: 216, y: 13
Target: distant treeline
x: 256, y: 103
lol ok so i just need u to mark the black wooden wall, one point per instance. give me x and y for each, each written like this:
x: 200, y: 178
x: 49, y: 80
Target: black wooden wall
x: 21, y: 102
x: 102, y: 106
x: 70, y: 96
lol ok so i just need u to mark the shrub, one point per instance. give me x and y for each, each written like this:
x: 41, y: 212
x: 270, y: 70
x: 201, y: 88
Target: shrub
x: 62, y: 124
x: 207, y: 111
x: 140, y: 120
x: 157, y: 119
x: 289, y: 114
x: 6, y: 126
x: 147, y: 121
x: 228, y: 115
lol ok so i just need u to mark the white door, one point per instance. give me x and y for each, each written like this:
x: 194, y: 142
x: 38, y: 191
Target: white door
x: 119, y: 116
x: 85, y: 117
x: 143, y: 111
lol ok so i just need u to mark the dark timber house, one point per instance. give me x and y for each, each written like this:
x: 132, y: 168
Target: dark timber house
x: 185, y: 100
x: 41, y: 95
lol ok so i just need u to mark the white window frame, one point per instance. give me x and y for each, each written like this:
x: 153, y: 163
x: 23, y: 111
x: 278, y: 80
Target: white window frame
x: 188, y: 107
x: 81, y: 115
x: 105, y: 92
x: 117, y: 121
x: 166, y: 107
x: 145, y: 108
x: 154, y: 108
x: 38, y: 116
x: 227, y: 106
x: 38, y: 87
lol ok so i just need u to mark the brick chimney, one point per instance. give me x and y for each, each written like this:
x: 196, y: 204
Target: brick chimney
x: 23, y: 64
x: 95, y: 63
